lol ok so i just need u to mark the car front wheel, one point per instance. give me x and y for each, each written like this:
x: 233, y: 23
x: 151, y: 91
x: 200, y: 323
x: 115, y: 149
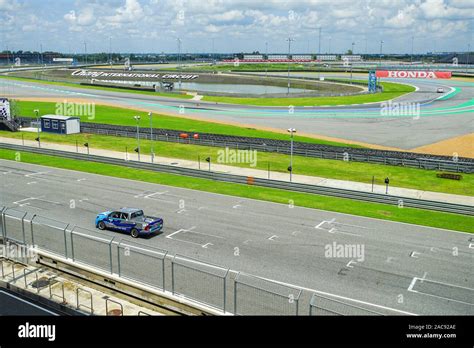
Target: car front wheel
x: 134, y: 233
x: 101, y: 225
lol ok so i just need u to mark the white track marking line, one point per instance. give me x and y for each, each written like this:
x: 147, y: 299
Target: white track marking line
x: 38, y: 173
x: 206, y: 245
x: 154, y: 193
x: 32, y: 182
x: 414, y: 254
x: 206, y: 234
x: 272, y: 238
x: 319, y: 226
x: 350, y: 263
x: 412, y: 284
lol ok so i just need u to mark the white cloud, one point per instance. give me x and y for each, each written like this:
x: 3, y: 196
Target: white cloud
x: 439, y: 9
x: 132, y: 11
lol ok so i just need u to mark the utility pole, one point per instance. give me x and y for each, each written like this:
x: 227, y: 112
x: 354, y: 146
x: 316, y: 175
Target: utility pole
x: 38, y: 121
x: 290, y: 168
x: 381, y: 45
x: 289, y: 53
x: 151, y: 136
x: 329, y: 45
x: 85, y: 51
x: 266, y: 64
x: 179, y: 61
x: 468, y: 56
x: 110, y: 50
x: 319, y: 41
x: 137, y: 118
x: 412, y: 45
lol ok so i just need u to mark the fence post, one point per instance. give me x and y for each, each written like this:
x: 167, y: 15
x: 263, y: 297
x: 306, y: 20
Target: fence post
x: 65, y: 241
x: 31, y: 229
x: 110, y: 255
x: 23, y: 228
x: 172, y: 275
x: 235, y: 294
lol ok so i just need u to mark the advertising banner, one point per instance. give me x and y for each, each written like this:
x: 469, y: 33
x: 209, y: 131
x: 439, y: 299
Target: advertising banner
x: 413, y: 74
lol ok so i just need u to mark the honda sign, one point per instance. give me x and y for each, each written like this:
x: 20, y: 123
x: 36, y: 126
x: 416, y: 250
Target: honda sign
x: 413, y: 74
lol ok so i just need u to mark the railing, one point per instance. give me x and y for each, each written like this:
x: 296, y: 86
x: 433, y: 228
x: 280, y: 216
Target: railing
x: 197, y: 281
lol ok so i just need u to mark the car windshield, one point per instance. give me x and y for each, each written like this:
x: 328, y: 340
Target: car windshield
x: 137, y: 214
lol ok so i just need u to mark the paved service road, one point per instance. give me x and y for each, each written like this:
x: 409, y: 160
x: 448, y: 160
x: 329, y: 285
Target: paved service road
x: 12, y: 304
x: 410, y: 268
x: 437, y: 120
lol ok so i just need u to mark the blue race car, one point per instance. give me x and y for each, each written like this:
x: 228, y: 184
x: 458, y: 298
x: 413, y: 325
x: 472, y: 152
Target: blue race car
x: 129, y: 220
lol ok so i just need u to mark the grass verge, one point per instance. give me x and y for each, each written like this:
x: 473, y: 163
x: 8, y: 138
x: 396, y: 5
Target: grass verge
x: 412, y: 178
x: 391, y: 91
x: 124, y: 117
x: 373, y: 210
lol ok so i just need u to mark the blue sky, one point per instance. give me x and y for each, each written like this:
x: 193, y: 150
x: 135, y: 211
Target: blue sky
x: 237, y: 25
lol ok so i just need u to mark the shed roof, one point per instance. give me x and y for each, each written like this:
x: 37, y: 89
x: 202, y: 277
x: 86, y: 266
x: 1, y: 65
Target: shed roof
x: 60, y: 117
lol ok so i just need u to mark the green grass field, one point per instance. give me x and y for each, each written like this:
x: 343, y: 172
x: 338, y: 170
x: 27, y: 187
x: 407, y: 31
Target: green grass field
x: 391, y: 91
x: 124, y: 117
x: 334, y: 169
x: 373, y: 210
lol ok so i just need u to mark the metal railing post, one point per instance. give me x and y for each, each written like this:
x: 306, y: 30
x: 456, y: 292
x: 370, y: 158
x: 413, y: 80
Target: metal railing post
x: 31, y: 229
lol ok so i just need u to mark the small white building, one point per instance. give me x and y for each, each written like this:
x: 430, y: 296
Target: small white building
x: 60, y: 124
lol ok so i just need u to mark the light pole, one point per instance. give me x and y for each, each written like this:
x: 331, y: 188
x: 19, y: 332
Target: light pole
x: 289, y: 53
x: 85, y: 51
x: 381, y: 45
x: 151, y: 136
x: 110, y: 50
x: 290, y: 168
x: 319, y: 41
x: 179, y: 61
x: 468, y: 54
x: 137, y: 118
x: 412, y: 45
x: 38, y: 139
x: 352, y: 50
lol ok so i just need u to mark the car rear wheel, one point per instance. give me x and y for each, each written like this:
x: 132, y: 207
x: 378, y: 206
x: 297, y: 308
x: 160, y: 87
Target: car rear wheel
x: 101, y: 225
x: 134, y: 233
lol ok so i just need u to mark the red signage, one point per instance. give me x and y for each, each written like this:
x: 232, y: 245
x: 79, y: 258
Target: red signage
x: 413, y: 74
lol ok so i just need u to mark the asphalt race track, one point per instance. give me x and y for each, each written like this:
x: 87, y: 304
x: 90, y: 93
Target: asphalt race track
x: 405, y: 267
x: 438, y: 120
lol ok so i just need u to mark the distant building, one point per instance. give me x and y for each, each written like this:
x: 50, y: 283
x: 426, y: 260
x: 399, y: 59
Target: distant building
x: 277, y: 57
x: 327, y: 57
x: 253, y: 57
x: 352, y: 58
x: 302, y: 57
x: 60, y: 124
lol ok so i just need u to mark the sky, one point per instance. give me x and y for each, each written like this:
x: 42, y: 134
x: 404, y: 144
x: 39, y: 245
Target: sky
x: 233, y: 26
